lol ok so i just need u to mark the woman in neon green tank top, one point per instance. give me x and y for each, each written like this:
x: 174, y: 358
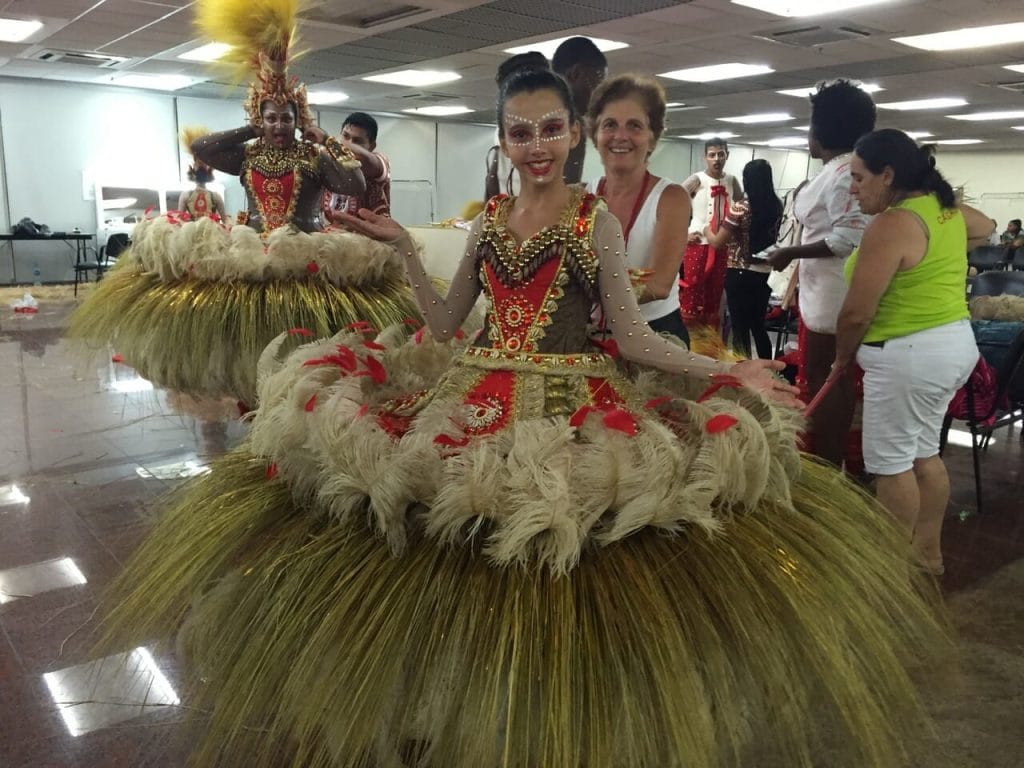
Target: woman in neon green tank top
x: 906, y: 323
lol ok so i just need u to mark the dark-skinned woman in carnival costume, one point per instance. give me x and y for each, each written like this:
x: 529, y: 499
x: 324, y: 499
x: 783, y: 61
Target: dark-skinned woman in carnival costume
x: 522, y: 548
x: 194, y: 302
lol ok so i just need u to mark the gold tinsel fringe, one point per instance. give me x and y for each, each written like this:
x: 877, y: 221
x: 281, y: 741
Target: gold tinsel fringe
x: 204, y: 338
x: 783, y: 641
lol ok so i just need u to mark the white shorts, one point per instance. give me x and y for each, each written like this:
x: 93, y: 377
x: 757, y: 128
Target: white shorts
x: 908, y: 384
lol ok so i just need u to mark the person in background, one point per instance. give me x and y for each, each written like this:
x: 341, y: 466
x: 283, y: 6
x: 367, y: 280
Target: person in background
x: 625, y: 119
x: 703, y: 274
x: 584, y: 67
x: 502, y: 177
x: 841, y: 112
x: 199, y: 202
x: 906, y: 323
x: 1012, y: 238
x: 751, y: 228
x: 359, y: 134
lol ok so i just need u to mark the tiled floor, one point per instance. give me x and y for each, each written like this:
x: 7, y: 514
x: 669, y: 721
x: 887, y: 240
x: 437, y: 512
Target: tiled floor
x: 85, y: 448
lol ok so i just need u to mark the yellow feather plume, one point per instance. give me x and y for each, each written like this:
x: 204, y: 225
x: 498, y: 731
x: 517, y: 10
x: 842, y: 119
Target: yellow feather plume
x: 190, y: 133
x: 250, y: 27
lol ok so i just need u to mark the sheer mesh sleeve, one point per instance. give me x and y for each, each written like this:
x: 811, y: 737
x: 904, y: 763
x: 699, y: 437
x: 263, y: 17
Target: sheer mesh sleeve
x: 444, y: 315
x: 635, y: 339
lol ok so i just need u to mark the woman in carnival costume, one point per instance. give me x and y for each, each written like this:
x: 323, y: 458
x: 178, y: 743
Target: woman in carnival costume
x: 199, y: 202
x: 193, y: 303
x: 520, y: 549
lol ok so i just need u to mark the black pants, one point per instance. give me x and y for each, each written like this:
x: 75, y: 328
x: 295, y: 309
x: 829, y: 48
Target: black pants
x: 747, y: 294
x: 671, y: 323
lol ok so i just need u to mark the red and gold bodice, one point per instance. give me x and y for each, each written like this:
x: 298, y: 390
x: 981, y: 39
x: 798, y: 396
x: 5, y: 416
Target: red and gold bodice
x: 543, y: 289
x: 199, y: 203
x: 275, y: 179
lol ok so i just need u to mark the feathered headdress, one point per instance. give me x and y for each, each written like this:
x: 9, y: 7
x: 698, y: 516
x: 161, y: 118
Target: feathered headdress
x: 261, y: 34
x: 188, y: 135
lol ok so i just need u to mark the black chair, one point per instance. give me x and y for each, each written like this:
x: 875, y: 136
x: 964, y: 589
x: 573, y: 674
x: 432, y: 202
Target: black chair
x: 987, y: 257
x: 116, y: 244
x: 1007, y: 407
x: 998, y: 283
x: 782, y: 325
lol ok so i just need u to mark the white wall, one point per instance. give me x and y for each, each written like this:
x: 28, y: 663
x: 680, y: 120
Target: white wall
x: 993, y: 181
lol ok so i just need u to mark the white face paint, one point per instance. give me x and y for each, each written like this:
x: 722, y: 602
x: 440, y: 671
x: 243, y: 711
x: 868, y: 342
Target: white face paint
x: 526, y: 131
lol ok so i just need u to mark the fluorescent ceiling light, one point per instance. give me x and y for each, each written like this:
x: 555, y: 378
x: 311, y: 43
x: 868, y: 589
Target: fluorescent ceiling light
x: 415, y: 78
x: 16, y: 30
x: 1015, y: 67
x: 764, y: 117
x: 968, y: 37
x: 796, y: 8
x: 326, y: 97
x: 672, y: 104
x: 919, y: 134
x: 939, y: 103
x: 548, y: 47
x: 439, y: 111
x: 805, y: 92
x: 1004, y: 115
x: 717, y: 72
x: 1018, y: 127
x: 959, y: 141
x: 802, y: 127
x: 156, y: 82
x: 785, y: 141
x: 711, y: 135
x: 208, y: 52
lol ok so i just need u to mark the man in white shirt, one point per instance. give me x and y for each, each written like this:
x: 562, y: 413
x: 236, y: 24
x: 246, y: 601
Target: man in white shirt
x: 832, y: 221
x: 704, y: 267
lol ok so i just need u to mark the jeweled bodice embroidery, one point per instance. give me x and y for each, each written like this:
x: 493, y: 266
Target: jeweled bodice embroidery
x: 274, y: 179
x: 527, y: 283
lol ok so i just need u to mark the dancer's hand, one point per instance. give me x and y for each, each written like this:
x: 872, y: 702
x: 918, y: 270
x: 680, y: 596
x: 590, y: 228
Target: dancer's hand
x: 371, y: 224
x: 315, y: 134
x: 759, y: 375
x: 780, y: 258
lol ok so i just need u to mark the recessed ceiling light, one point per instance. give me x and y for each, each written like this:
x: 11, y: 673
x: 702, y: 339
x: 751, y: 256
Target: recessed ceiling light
x: 717, y: 72
x: 415, y: 78
x: 326, y: 97
x: 156, y: 82
x: 968, y: 37
x: 764, y: 117
x: 672, y: 104
x: 939, y: 103
x: 439, y: 111
x: 711, y: 135
x: 919, y: 134
x: 784, y: 141
x: 16, y: 30
x: 548, y: 47
x: 208, y: 52
x: 959, y: 141
x: 802, y: 127
x: 805, y: 92
x: 1015, y: 67
x: 1013, y: 114
x: 793, y: 8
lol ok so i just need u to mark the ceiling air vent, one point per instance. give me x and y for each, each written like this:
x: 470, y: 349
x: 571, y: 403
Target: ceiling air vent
x: 814, y: 35
x: 433, y: 98
x: 1017, y: 87
x: 77, y: 57
x: 363, y: 14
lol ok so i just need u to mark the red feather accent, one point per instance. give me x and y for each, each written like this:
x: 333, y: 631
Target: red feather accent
x: 720, y: 383
x: 621, y: 420
x: 299, y: 332
x: 312, y: 267
x: 311, y: 404
x: 375, y: 346
x: 658, y: 401
x: 376, y: 370
x: 459, y: 334
x: 362, y: 326
x: 272, y: 471
x: 719, y: 423
x: 116, y: 359
x: 363, y: 410
x: 451, y: 442
x: 418, y: 336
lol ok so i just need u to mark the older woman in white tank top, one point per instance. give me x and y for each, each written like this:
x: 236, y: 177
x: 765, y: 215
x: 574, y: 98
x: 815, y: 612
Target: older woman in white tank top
x: 625, y: 119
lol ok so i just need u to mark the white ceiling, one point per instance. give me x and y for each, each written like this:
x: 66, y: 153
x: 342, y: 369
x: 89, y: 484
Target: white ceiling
x: 663, y: 35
